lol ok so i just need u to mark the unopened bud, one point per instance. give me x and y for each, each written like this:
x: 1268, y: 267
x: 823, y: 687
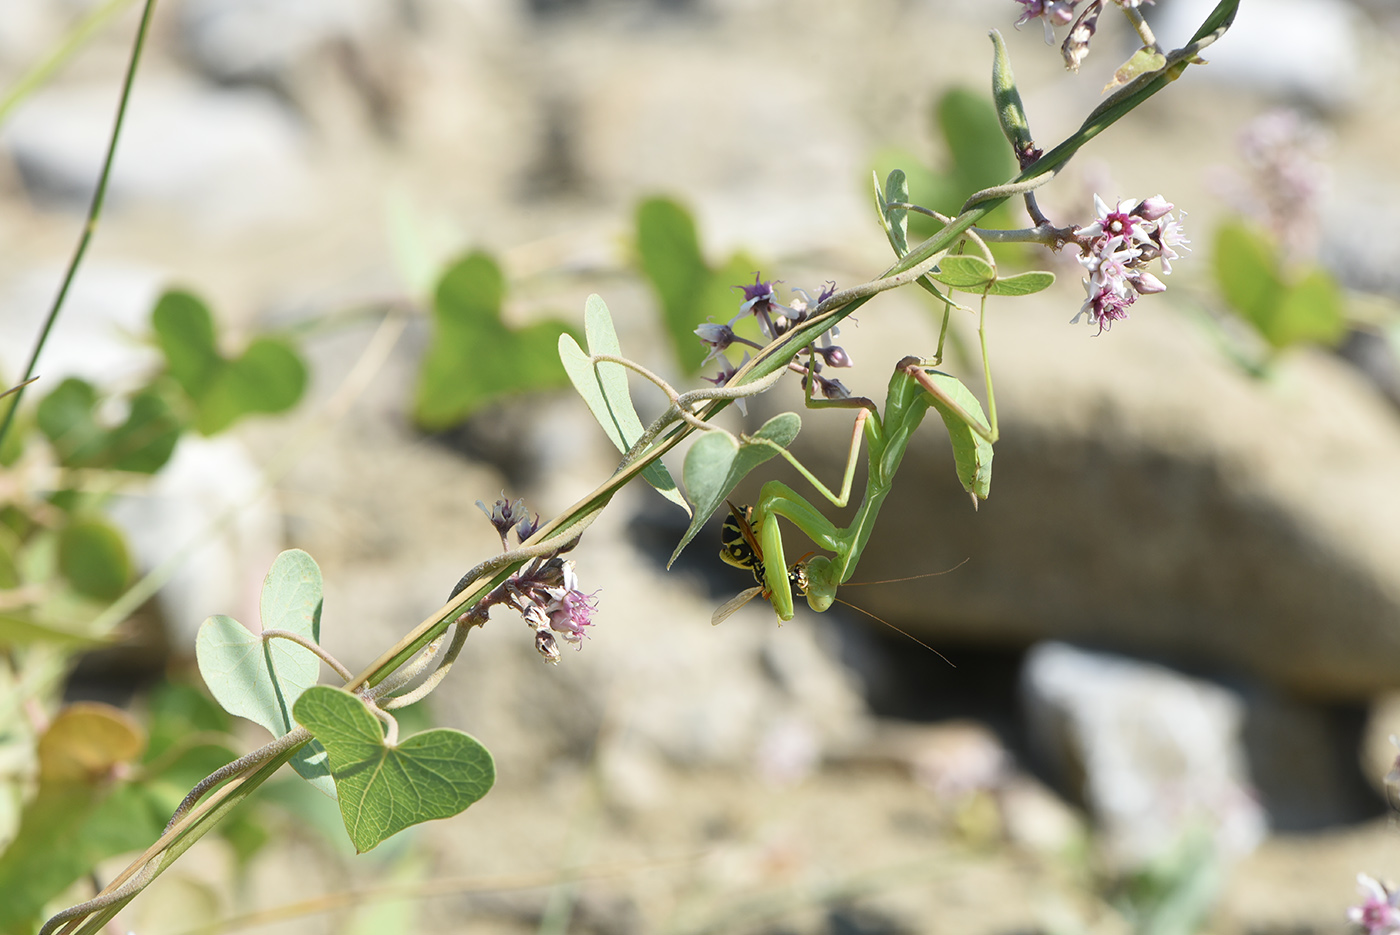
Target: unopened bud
x: 547, y: 646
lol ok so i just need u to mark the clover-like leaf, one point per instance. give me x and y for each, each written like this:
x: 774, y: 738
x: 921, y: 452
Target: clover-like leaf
x: 261, y: 679
x: 384, y: 789
x: 604, y: 388
x: 269, y: 376
x: 717, y: 461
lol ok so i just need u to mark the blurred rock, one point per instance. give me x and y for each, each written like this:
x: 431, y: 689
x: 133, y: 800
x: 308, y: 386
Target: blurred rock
x: 92, y: 339
x: 245, y: 40
x: 1154, y: 754
x: 1149, y: 497
x: 225, y: 158
x: 223, y: 557
x: 1295, y: 49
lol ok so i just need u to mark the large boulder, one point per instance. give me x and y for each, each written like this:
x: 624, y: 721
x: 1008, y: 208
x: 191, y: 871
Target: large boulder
x: 1149, y: 496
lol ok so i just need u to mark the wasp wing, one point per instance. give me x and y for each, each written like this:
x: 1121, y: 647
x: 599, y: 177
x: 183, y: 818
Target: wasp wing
x: 727, y: 609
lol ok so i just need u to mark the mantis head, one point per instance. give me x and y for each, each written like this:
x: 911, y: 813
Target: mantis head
x: 821, y: 578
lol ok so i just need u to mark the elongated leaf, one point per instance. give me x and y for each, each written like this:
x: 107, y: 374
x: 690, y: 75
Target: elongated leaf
x: 1023, y: 283
x: 384, y: 789
x: 717, y: 461
x: 605, y: 390
x: 896, y: 220
x: 261, y: 680
x: 972, y: 453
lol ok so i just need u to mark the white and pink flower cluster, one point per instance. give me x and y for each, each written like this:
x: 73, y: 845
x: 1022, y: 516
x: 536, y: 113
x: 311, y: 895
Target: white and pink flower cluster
x: 1116, y: 249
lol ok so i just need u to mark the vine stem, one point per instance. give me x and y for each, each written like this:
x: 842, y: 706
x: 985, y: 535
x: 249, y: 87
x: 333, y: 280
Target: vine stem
x: 94, y: 214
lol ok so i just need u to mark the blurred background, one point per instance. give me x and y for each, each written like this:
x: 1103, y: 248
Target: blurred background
x: 1172, y: 634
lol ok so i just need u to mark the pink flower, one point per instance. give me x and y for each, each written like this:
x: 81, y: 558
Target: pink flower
x: 1053, y: 12
x: 1378, y: 914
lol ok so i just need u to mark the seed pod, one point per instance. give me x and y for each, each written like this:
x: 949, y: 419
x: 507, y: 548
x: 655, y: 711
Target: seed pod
x: 1010, y: 112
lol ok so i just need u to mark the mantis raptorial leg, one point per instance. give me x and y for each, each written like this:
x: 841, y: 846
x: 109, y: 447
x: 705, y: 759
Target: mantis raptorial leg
x: 913, y: 389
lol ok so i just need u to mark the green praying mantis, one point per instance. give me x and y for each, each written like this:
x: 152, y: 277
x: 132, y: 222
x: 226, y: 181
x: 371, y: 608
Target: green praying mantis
x: 752, y: 538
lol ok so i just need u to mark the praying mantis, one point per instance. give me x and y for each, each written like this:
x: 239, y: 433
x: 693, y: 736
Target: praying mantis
x: 913, y: 389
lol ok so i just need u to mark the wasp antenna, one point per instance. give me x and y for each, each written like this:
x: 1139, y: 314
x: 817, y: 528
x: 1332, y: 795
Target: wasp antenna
x: 930, y: 574
x: 896, y: 629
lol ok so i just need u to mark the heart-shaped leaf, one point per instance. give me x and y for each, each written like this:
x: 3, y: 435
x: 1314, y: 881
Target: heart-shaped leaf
x: 475, y: 358
x: 604, y: 388
x: 384, y: 789
x: 261, y: 679
x: 718, y: 461
x: 143, y: 443
x: 268, y: 377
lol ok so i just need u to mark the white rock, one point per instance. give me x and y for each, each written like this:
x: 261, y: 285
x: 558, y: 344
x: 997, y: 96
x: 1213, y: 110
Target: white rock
x: 243, y: 39
x: 223, y: 157
x: 1159, y: 753
x: 1292, y: 48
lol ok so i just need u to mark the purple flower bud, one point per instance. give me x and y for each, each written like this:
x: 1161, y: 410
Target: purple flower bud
x: 504, y: 514
x: 1153, y: 208
x: 832, y: 389
x: 527, y: 527
x: 1147, y: 284
x: 835, y: 356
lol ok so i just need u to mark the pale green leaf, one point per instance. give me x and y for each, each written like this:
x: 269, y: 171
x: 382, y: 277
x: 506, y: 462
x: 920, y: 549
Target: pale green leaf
x: 718, y: 461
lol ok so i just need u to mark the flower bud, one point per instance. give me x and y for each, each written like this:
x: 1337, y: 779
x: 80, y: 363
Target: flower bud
x: 1151, y: 209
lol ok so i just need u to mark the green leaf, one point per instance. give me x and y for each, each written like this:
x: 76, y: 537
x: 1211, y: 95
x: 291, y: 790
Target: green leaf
x: 605, y: 389
x: 717, y: 461
x: 1027, y: 283
x: 474, y: 357
x: 668, y: 249
x: 261, y: 680
x: 1144, y: 60
x: 972, y: 454
x: 1314, y: 309
x: 968, y: 273
x: 185, y: 333
x: 981, y: 156
x: 17, y: 628
x: 384, y: 789
x: 1246, y: 267
x: 67, y: 416
x: 896, y: 220
x: 270, y: 377
x: 92, y: 556
x: 145, y: 442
